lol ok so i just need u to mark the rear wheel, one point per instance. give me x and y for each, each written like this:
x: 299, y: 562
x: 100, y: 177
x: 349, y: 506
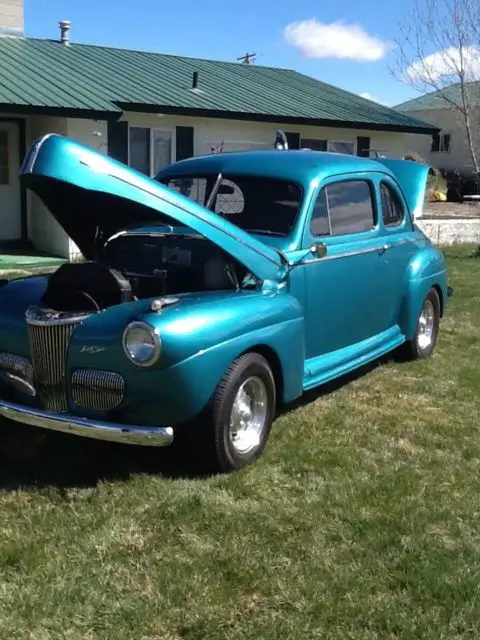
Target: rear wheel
x: 425, y: 338
x: 233, y: 429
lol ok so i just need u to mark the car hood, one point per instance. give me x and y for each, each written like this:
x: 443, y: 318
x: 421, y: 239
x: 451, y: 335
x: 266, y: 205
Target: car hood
x: 412, y: 177
x: 93, y: 196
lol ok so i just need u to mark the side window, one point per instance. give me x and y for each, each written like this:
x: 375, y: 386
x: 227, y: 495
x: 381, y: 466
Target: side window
x: 350, y: 206
x: 320, y: 225
x: 392, y: 208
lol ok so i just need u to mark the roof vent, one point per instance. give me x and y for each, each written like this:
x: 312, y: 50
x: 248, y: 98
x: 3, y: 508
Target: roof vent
x: 195, y: 80
x: 64, y: 29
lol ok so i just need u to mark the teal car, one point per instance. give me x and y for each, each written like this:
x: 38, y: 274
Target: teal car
x: 209, y: 296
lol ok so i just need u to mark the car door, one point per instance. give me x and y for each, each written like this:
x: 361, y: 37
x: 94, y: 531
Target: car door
x: 345, y: 289
x: 400, y: 241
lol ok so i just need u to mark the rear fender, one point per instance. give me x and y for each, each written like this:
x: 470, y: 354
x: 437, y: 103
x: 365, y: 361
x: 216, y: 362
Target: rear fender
x: 425, y: 270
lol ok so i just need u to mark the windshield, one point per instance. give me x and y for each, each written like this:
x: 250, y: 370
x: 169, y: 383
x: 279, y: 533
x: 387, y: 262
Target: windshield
x: 254, y: 203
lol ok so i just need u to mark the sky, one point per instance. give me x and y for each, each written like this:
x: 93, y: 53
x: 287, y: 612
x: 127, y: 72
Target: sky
x: 347, y: 43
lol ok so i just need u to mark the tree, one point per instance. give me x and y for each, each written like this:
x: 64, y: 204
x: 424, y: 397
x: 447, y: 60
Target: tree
x: 439, y: 51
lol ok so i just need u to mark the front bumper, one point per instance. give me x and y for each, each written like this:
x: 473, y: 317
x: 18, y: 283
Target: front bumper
x: 113, y: 432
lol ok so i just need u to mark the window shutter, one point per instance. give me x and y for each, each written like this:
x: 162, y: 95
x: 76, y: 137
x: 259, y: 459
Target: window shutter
x: 363, y: 146
x: 118, y: 141
x: 184, y: 140
x: 293, y: 140
x: 435, y: 142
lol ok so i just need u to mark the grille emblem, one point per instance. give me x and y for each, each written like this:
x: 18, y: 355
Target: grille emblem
x: 92, y: 349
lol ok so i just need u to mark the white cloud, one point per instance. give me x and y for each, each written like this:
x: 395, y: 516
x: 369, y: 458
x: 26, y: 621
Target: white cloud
x: 316, y: 39
x: 368, y: 96
x: 442, y: 64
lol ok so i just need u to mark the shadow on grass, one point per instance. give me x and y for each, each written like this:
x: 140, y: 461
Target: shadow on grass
x: 32, y: 457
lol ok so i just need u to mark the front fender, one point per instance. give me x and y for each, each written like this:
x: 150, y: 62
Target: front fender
x: 426, y: 270
x: 201, y: 336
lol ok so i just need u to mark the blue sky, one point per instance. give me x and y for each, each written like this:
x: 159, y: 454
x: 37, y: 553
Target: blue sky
x: 345, y: 43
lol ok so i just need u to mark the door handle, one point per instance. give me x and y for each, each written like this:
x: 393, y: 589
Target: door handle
x: 384, y: 248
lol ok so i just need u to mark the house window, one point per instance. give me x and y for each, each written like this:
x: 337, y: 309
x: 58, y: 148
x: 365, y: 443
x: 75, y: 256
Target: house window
x: 150, y: 149
x: 341, y: 147
x: 193, y: 188
x: 392, y: 208
x: 342, y: 208
x: 440, y: 143
x: 4, y: 166
x: 314, y: 145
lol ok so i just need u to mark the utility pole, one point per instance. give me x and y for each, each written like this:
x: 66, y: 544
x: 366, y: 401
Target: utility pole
x: 248, y: 58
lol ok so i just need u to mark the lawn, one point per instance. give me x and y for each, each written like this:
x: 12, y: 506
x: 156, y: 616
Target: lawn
x: 362, y: 519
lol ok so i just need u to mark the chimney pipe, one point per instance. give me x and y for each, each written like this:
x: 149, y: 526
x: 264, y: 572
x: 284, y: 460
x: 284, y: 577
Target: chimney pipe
x: 195, y: 80
x: 64, y: 29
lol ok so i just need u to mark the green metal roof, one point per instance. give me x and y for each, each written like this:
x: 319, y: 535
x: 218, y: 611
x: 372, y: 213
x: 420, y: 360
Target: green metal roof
x: 441, y: 99
x: 46, y: 76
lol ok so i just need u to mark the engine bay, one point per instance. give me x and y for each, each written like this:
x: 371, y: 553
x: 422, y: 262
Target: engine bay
x: 133, y: 266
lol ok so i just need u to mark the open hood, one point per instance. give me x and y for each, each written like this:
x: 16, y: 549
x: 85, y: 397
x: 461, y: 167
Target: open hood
x: 91, y: 194
x: 412, y: 177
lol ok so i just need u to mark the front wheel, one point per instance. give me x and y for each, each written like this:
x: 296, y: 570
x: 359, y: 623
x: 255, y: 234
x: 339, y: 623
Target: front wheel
x: 425, y: 338
x: 234, y: 427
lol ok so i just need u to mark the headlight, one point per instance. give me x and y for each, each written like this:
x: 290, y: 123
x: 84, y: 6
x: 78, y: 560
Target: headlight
x: 141, y: 344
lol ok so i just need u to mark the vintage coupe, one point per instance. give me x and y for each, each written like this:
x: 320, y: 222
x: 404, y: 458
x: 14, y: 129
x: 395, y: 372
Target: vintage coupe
x: 230, y: 284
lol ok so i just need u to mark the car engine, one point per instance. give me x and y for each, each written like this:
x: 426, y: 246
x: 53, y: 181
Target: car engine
x: 136, y: 266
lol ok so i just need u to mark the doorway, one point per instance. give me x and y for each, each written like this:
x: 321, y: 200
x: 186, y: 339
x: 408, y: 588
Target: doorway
x: 10, y: 198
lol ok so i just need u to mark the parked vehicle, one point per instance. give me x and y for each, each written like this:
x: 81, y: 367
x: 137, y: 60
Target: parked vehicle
x: 227, y: 286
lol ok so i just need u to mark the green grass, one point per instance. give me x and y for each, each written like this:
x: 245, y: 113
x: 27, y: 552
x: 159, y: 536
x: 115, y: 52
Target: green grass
x: 361, y: 520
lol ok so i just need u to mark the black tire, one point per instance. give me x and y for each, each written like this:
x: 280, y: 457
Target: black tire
x: 419, y: 347
x: 209, y: 435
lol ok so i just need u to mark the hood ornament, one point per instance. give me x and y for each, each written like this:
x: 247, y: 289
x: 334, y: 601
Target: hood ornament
x: 159, y: 303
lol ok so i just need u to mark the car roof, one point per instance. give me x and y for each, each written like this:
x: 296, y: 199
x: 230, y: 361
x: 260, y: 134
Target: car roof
x: 300, y: 166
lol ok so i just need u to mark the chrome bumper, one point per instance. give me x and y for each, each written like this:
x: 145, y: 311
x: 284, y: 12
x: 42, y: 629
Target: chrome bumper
x: 114, y: 432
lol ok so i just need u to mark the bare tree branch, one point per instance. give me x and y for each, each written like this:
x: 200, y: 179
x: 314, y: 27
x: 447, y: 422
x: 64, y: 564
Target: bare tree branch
x: 439, y: 48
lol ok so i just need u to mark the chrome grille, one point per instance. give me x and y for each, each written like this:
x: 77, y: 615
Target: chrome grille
x: 49, y: 335
x: 97, y: 390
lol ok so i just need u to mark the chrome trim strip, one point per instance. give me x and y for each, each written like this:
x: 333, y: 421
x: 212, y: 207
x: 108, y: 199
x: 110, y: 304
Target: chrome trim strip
x: 48, y: 318
x: 381, y: 248
x: 110, y: 431
x: 346, y: 254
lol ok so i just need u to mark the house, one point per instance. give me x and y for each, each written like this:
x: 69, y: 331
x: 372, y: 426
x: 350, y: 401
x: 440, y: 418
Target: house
x: 448, y: 148
x: 149, y: 109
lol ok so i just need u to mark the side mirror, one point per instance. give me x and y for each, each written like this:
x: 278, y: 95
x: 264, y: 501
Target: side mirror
x: 319, y: 249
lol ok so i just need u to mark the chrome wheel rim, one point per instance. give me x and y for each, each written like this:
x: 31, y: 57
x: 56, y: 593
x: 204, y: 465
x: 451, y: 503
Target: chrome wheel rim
x: 426, y: 325
x: 249, y: 415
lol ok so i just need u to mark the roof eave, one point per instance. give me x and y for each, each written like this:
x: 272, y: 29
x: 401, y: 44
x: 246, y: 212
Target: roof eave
x: 62, y: 112
x: 278, y: 119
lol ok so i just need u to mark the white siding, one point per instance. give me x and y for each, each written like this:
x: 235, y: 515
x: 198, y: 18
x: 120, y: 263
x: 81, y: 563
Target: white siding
x: 90, y: 132
x: 449, y: 122
x: 11, y: 17
x: 243, y: 135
